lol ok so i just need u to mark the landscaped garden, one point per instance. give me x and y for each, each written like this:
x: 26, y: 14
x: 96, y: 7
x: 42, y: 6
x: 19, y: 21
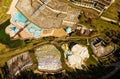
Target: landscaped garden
x: 112, y: 11
x: 4, y: 6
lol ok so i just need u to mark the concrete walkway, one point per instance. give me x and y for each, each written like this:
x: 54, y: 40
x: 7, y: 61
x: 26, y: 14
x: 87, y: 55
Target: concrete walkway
x: 109, y: 20
x: 44, y: 5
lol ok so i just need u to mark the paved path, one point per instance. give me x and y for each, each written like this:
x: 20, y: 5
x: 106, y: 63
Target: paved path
x: 22, y: 29
x: 22, y: 50
x: 44, y: 5
x: 57, y: 11
x: 109, y: 20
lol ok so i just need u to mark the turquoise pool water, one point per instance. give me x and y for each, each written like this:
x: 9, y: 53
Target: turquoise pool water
x: 34, y: 29
x: 68, y: 29
x: 14, y: 28
x: 19, y: 17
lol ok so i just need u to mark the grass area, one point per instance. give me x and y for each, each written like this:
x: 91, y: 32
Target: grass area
x: 91, y: 59
x: 3, y: 48
x: 35, y: 62
x: 64, y: 65
x: 108, y: 30
x: 112, y: 11
x: 4, y: 22
x: 98, y: 24
x: 82, y: 41
x: 105, y: 29
x: 8, y: 55
x: 5, y: 38
x: 4, y: 59
x: 102, y: 26
x: 4, y: 6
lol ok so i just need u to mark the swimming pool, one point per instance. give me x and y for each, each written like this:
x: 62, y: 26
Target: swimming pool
x: 34, y: 29
x: 19, y: 17
x: 68, y: 29
x: 14, y: 29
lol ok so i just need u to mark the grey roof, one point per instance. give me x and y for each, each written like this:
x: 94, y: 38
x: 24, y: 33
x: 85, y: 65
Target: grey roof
x: 46, y: 13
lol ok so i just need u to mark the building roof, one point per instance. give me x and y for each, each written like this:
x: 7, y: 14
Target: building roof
x: 19, y: 63
x: 54, y: 32
x: 101, y: 48
x: 48, y: 57
x: 49, y: 14
x: 80, y: 50
x: 75, y: 61
x: 78, y: 55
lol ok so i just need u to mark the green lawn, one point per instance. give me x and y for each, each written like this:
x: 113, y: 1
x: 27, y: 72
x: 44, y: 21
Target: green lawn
x: 103, y: 27
x: 64, y: 65
x: 5, y: 38
x: 113, y: 10
x: 4, y: 6
x: 100, y: 25
x: 4, y: 22
x: 91, y: 59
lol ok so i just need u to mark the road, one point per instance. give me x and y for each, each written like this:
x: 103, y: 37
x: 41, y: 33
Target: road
x: 22, y: 50
x: 5, y: 56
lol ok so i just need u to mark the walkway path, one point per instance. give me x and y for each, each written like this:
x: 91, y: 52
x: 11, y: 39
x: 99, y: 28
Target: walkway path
x: 109, y: 20
x: 57, y: 11
x: 44, y: 5
x: 21, y: 29
x: 11, y: 53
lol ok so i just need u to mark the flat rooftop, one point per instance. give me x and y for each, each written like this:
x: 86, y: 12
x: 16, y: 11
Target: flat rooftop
x: 48, y: 57
x: 47, y: 13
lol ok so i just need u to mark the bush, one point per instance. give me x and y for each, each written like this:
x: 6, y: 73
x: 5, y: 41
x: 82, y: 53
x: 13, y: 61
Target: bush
x: 5, y: 38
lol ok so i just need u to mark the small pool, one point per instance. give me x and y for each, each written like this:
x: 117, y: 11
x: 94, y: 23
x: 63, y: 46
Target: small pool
x: 14, y: 29
x: 68, y: 29
x: 19, y: 17
x: 34, y: 29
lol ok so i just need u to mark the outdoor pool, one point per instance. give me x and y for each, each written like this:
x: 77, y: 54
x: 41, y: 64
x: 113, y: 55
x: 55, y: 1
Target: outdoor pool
x: 19, y: 17
x: 34, y: 29
x: 14, y: 29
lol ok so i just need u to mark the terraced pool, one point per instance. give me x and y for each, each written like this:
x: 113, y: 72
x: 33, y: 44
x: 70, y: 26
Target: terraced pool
x: 19, y: 17
x: 34, y: 29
